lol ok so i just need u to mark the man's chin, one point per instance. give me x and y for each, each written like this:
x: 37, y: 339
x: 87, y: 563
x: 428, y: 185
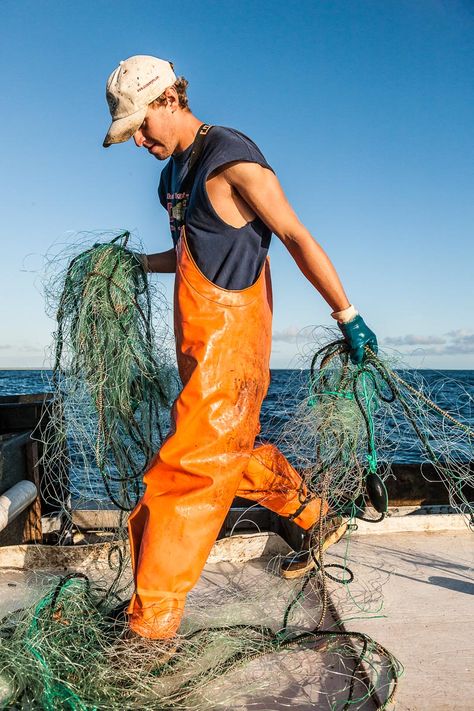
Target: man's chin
x: 159, y: 152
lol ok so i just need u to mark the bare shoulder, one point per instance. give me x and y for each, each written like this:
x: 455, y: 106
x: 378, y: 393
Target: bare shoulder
x: 260, y: 189
x: 239, y: 169
x: 247, y: 176
x: 226, y: 198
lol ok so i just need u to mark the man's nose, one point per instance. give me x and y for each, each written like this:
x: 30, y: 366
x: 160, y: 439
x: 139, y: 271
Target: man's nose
x: 139, y: 138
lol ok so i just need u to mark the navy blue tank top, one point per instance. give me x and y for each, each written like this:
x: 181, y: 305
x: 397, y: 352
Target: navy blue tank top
x: 231, y: 257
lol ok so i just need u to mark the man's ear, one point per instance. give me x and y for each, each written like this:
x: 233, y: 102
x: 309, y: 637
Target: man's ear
x: 172, y: 99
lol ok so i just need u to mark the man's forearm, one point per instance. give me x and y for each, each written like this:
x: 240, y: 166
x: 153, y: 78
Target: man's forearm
x: 318, y: 269
x: 163, y: 262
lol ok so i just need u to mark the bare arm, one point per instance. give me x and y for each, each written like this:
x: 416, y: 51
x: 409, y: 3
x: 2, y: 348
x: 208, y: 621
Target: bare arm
x: 160, y: 262
x: 261, y: 189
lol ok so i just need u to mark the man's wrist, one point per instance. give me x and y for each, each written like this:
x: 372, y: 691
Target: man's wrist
x: 345, y: 315
x: 143, y: 259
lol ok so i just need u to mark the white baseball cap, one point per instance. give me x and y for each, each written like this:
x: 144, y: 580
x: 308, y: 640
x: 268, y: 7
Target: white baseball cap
x: 135, y: 83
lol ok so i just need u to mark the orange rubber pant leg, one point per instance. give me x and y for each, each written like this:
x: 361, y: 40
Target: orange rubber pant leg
x: 271, y: 481
x: 223, y: 341
x: 188, y: 494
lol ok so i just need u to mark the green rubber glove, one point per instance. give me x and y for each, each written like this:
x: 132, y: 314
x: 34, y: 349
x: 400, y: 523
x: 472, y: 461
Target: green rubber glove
x: 357, y: 335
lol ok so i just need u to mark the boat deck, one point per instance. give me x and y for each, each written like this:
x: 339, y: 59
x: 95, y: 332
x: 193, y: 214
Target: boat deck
x: 412, y: 592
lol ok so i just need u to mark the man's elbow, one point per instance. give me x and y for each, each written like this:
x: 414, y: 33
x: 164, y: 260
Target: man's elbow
x: 295, y: 236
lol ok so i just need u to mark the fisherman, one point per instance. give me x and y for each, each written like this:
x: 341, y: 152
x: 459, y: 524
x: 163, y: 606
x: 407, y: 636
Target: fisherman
x: 224, y: 201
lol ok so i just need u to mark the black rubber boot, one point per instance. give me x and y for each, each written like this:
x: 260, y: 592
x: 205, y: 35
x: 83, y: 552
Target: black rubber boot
x: 118, y: 614
x: 302, y: 560
x: 116, y: 619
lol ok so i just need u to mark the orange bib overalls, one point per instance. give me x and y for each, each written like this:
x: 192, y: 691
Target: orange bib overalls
x: 223, y: 341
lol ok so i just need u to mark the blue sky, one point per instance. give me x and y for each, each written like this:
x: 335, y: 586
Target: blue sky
x: 363, y: 107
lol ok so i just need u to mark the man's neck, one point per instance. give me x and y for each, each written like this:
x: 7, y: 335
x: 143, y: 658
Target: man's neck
x: 188, y: 127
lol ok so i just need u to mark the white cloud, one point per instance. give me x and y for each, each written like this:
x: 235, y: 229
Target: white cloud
x: 460, y: 341
x: 292, y: 334
x: 287, y: 335
x: 307, y: 334
x: 413, y: 340
x: 22, y: 347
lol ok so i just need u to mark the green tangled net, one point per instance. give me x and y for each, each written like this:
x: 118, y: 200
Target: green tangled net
x: 106, y: 352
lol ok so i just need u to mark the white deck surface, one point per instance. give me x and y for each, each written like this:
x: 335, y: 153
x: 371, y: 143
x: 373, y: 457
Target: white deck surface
x: 413, y: 592
x: 426, y: 583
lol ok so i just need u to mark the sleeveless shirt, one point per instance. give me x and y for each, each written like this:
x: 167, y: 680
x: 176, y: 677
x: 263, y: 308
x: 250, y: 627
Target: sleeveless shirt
x: 230, y: 257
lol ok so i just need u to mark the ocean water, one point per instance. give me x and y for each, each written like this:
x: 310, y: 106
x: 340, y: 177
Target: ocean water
x: 452, y: 390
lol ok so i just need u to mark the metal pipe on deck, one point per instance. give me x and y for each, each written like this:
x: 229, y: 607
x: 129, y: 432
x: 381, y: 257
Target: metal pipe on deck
x: 15, y: 500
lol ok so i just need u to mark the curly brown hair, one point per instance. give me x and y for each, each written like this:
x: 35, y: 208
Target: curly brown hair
x: 180, y: 85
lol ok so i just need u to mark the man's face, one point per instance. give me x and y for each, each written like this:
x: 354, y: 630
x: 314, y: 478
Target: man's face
x: 158, y: 132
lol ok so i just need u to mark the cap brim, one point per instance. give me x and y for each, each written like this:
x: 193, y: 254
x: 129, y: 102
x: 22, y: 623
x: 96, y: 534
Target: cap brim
x: 122, y: 129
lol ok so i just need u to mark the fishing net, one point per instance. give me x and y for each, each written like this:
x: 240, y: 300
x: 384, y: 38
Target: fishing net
x: 113, y: 375
x: 65, y: 652
x: 247, y: 634
x: 352, y: 422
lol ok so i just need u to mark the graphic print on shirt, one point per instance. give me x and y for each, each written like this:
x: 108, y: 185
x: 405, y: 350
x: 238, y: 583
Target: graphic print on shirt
x: 176, y: 206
